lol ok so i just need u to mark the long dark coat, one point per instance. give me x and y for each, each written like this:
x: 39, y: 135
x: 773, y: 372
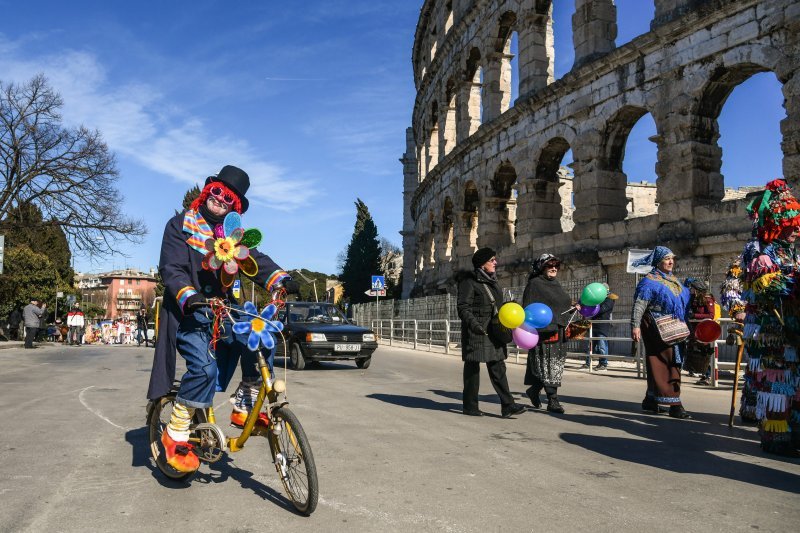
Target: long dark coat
x: 181, y: 266
x: 475, y: 310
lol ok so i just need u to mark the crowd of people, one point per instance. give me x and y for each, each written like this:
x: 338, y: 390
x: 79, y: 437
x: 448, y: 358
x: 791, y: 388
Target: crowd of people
x: 760, y: 294
x: 31, y: 325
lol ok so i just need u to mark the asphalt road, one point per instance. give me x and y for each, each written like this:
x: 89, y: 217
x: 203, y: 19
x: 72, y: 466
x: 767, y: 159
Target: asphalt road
x: 393, y: 454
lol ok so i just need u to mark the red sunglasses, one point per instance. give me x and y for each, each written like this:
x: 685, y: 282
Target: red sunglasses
x: 221, y: 196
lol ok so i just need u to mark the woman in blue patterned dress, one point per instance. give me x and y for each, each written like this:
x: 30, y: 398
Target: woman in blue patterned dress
x: 659, y: 294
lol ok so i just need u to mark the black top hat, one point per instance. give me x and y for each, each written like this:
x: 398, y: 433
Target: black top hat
x: 236, y: 180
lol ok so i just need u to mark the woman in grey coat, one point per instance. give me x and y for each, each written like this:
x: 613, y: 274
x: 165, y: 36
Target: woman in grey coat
x: 478, y: 297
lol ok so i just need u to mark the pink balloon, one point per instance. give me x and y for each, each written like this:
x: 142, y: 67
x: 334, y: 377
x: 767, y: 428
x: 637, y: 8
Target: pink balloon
x: 525, y: 339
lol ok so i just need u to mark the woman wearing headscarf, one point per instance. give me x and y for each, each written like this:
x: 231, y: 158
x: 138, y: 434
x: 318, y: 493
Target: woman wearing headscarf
x: 660, y: 294
x: 546, y: 361
x: 479, y: 296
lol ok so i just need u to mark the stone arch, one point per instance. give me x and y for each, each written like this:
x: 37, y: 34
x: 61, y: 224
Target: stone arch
x: 448, y: 133
x: 430, y: 244
x: 705, y: 127
x: 470, y: 99
x: 499, y: 76
x: 432, y: 152
x: 472, y: 202
x: 500, y: 212
x: 544, y: 204
x: 611, y: 181
x: 449, y: 17
x: 448, y: 220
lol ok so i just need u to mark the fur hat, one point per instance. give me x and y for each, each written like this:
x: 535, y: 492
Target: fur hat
x: 481, y: 256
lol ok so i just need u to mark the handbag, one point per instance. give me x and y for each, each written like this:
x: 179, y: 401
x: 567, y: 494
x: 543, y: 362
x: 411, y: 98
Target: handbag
x: 497, y: 331
x: 671, y: 330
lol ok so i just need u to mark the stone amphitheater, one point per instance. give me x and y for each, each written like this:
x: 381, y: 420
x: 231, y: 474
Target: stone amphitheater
x: 481, y: 170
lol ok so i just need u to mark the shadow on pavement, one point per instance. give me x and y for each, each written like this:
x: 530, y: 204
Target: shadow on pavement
x: 224, y: 469
x: 415, y: 402
x: 221, y: 471
x: 690, y: 447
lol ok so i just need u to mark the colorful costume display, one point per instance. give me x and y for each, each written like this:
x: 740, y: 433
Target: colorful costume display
x: 772, y: 325
x: 200, y: 255
x: 659, y: 294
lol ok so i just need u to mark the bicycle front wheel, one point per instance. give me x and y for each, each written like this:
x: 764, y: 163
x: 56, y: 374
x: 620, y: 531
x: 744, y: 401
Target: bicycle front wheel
x: 291, y: 453
x: 158, y: 420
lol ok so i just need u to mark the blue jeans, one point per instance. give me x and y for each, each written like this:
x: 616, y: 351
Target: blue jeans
x: 599, y: 347
x: 210, y: 371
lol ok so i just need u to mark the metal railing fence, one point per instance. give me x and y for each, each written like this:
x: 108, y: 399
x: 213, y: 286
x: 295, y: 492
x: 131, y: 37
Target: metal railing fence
x: 445, y: 335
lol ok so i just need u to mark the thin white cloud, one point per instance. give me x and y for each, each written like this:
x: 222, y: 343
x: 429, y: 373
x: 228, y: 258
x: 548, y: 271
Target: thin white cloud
x: 137, y: 122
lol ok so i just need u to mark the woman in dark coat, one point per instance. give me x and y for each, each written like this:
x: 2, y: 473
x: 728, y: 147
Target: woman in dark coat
x: 478, y: 297
x: 546, y: 361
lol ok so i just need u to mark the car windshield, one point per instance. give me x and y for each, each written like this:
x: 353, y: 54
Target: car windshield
x: 325, y: 313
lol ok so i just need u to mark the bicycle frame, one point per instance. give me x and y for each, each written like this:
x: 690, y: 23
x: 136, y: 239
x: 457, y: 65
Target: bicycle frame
x: 266, y: 391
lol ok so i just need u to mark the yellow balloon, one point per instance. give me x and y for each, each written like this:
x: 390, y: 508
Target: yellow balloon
x: 511, y: 315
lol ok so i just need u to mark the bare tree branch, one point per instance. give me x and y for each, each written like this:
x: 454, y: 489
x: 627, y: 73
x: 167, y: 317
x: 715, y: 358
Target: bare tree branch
x: 69, y: 173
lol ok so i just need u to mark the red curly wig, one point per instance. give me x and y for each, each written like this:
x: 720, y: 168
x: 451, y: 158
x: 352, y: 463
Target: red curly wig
x: 206, y: 192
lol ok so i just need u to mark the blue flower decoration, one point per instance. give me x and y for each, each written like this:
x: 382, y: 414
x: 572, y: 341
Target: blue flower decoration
x: 260, y: 328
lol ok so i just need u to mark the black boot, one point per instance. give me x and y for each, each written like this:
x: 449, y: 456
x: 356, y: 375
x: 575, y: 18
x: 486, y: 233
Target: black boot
x: 677, y: 411
x: 553, y: 405
x: 533, y: 394
x: 650, y: 404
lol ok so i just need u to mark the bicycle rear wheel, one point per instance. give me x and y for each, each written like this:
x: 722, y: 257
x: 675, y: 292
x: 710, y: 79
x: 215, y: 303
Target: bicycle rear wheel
x: 157, y: 422
x: 293, y: 460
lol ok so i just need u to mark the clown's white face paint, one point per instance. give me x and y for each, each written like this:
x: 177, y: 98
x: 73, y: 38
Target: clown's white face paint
x: 217, y: 208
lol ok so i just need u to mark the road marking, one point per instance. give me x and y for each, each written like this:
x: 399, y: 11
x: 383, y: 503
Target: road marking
x: 96, y: 412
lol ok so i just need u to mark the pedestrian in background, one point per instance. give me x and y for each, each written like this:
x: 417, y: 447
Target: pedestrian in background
x: 545, y: 365
x: 479, y: 296
x: 75, y: 322
x: 32, y: 317
x: 660, y: 294
x: 701, y: 307
x: 141, y: 326
x: 14, y: 321
x: 600, y: 346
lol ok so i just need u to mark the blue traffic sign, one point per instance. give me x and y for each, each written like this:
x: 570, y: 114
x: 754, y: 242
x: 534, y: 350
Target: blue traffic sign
x: 378, y: 283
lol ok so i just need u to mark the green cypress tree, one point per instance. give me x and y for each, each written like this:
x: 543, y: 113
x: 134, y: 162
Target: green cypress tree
x: 362, y: 259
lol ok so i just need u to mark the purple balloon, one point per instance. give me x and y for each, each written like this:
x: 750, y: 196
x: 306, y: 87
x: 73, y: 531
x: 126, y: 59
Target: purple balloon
x: 589, y: 311
x: 525, y: 339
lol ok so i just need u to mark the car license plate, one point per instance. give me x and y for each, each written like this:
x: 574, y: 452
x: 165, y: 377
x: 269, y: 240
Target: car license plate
x: 347, y: 347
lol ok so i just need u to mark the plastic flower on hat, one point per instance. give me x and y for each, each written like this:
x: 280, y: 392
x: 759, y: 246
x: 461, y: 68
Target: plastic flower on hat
x: 260, y: 327
x: 229, y: 250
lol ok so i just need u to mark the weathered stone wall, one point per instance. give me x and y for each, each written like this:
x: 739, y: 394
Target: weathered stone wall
x: 479, y: 171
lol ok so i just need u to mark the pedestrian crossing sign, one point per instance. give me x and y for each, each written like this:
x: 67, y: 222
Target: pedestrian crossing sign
x: 378, y: 283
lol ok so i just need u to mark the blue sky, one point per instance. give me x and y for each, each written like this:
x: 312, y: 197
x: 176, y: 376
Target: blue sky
x: 311, y: 98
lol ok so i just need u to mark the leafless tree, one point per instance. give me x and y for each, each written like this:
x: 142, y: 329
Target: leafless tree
x: 69, y: 173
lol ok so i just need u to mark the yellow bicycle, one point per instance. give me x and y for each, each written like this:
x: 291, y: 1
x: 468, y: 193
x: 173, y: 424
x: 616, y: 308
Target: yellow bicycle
x: 288, y: 444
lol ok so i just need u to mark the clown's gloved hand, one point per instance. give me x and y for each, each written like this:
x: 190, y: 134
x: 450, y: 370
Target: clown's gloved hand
x: 193, y: 303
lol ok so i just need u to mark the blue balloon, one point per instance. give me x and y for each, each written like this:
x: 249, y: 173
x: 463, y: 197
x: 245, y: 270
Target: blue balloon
x: 538, y: 315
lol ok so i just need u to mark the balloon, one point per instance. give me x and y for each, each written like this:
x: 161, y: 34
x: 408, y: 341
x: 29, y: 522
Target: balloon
x: 525, y: 339
x: 589, y: 311
x: 538, y: 315
x: 707, y: 331
x: 594, y: 294
x: 511, y: 315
